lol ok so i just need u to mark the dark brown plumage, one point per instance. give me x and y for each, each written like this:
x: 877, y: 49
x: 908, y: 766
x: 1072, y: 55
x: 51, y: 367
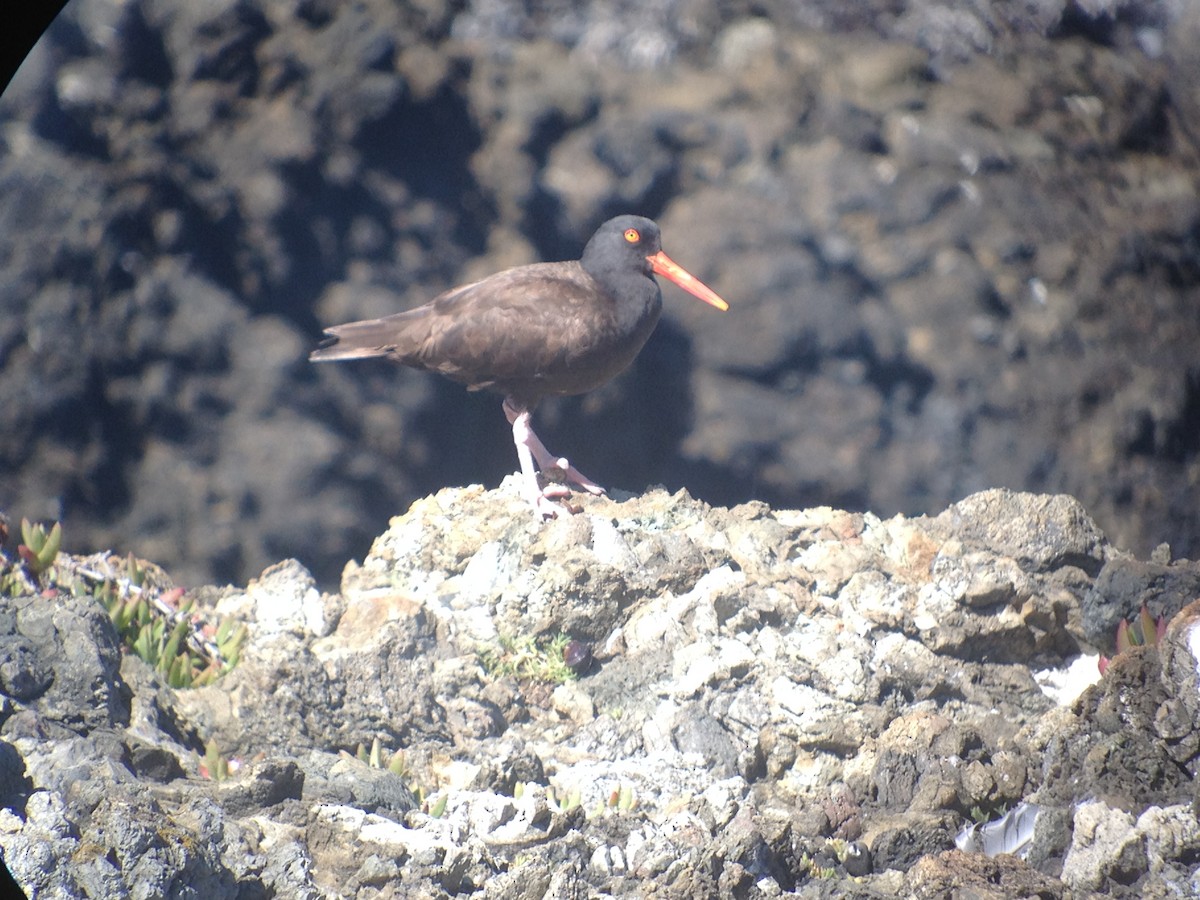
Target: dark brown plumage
x: 534, y: 331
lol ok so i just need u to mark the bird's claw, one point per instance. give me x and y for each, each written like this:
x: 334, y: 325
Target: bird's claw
x: 544, y: 507
x: 561, y: 473
x: 556, y: 490
x: 547, y: 506
x: 550, y: 499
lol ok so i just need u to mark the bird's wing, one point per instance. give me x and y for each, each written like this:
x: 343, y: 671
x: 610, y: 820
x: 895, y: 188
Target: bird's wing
x: 522, y: 323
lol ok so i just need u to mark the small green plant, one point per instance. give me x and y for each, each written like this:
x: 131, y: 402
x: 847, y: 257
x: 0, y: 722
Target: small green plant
x: 374, y: 758
x: 152, y: 618
x: 161, y: 634
x: 530, y: 658
x: 621, y: 799
x: 39, y: 548
x: 214, y: 765
x: 163, y: 630
x: 439, y: 808
x: 987, y: 812
x: 31, y: 572
x: 568, y: 801
x: 815, y: 869
x: 1141, y: 631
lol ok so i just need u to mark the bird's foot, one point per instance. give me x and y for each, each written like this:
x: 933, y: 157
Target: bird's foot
x: 549, y: 500
x: 568, y: 473
x: 544, y: 507
x: 555, y: 490
x: 531, y: 450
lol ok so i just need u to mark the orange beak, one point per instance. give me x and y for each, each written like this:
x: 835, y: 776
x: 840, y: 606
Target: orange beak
x: 662, y: 265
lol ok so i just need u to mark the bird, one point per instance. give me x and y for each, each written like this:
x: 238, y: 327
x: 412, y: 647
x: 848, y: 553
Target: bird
x: 534, y: 331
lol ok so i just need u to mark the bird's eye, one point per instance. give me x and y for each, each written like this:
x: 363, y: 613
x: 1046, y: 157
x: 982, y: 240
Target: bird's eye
x: 632, y: 235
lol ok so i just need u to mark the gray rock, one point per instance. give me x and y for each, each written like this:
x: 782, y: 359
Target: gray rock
x: 1040, y: 533
x: 348, y: 781
x: 63, y: 663
x: 1104, y: 845
x: 22, y: 675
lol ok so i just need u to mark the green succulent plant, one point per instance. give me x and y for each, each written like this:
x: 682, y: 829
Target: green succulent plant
x: 39, y: 548
x: 439, y: 807
x: 621, y: 799
x: 162, y: 630
x: 154, y: 620
x: 214, y: 765
x: 1141, y: 631
x: 569, y: 800
x: 375, y: 759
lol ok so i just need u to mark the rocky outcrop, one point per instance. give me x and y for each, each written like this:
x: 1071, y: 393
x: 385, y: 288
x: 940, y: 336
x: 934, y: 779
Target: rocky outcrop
x: 764, y: 703
x: 959, y: 241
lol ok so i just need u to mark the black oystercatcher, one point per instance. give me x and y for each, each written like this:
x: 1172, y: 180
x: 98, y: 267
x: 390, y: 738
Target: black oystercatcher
x: 535, y: 331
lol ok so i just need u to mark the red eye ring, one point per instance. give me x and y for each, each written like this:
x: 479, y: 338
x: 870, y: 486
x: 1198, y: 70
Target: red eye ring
x: 632, y: 235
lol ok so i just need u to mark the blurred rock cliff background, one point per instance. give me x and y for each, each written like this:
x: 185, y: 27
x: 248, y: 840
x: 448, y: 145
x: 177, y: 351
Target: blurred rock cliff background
x: 961, y: 242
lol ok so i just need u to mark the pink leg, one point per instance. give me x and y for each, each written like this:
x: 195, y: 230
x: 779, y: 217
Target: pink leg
x: 542, y: 504
x: 547, y: 460
x: 530, y: 449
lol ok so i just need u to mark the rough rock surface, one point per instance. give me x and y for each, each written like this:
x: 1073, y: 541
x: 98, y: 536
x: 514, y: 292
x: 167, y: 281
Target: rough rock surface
x: 960, y: 242
x: 806, y: 703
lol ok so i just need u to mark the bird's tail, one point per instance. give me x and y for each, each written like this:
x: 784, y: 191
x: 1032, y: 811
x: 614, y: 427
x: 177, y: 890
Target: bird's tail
x: 360, y: 340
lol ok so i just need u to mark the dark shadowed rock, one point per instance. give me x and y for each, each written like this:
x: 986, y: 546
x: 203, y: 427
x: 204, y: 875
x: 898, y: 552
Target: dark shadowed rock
x: 22, y: 675
x: 1124, y: 585
x: 13, y: 783
x: 901, y: 842
x: 938, y: 227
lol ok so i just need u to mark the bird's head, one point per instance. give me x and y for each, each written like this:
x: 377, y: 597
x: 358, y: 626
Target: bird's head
x: 635, y: 241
